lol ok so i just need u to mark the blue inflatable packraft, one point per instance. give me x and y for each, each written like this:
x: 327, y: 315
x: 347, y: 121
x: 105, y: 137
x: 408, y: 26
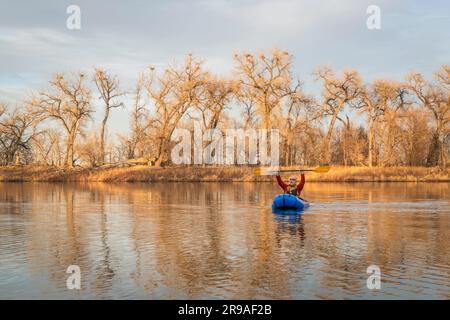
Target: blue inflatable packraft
x: 288, y: 203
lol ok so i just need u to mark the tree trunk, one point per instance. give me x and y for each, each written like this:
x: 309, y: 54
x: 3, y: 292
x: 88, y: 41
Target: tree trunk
x: 442, y: 158
x: 68, y: 160
x: 326, y: 156
x: 102, y: 136
x: 371, y: 138
x: 161, y: 151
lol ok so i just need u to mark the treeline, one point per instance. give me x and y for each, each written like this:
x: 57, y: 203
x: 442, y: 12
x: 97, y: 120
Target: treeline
x: 352, y: 122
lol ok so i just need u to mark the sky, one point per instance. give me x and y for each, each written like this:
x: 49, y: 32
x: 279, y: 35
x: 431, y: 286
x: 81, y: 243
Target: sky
x: 127, y: 36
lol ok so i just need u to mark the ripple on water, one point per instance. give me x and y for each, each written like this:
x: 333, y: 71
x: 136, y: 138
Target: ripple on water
x: 222, y: 241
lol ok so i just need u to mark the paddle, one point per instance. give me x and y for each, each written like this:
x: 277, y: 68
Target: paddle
x: 261, y: 171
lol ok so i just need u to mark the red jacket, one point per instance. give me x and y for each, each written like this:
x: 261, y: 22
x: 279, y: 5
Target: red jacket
x: 286, y: 187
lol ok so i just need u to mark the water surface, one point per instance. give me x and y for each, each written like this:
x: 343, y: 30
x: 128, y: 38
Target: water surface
x: 221, y: 240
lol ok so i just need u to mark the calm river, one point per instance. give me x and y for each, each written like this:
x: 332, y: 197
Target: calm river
x: 221, y: 240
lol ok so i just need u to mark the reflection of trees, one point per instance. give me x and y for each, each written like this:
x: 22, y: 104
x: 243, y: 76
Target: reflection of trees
x: 221, y: 240
x: 377, y: 192
x: 104, y: 274
x: 410, y: 246
x: 55, y: 235
x: 196, y: 243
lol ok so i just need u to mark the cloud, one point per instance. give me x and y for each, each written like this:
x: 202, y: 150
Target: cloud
x: 125, y: 37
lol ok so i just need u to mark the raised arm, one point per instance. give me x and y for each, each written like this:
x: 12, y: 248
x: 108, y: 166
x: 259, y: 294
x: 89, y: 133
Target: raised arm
x: 281, y: 183
x: 302, y: 183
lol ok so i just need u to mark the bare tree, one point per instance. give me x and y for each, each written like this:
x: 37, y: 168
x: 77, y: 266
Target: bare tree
x: 217, y: 94
x: 174, y: 93
x: 265, y: 80
x: 443, y: 76
x: 337, y: 93
x: 89, y: 151
x: 394, y: 103
x: 69, y: 103
x: 47, y: 147
x: 248, y: 114
x: 380, y: 101
x: 17, y: 129
x: 416, y: 136
x: 373, y: 108
x: 108, y: 87
x: 349, y: 145
x: 297, y: 116
x: 135, y: 145
x: 435, y: 97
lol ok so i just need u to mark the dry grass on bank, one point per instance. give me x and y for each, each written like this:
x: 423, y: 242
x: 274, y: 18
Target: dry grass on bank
x: 183, y: 173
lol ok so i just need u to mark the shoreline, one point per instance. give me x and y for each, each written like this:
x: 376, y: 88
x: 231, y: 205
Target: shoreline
x: 34, y: 173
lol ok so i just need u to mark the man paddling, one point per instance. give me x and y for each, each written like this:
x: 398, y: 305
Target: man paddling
x: 292, y: 188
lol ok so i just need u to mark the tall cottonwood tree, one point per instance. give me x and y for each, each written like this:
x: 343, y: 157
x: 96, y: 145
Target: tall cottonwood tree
x: 381, y: 102
x: 217, y: 95
x: 265, y: 81
x: 173, y: 93
x: 337, y: 92
x: 18, y: 127
x: 415, y: 137
x: 68, y: 102
x: 47, y: 147
x: 435, y: 97
x: 394, y: 113
x: 108, y: 87
x: 297, y: 116
x: 349, y: 145
x: 139, y: 121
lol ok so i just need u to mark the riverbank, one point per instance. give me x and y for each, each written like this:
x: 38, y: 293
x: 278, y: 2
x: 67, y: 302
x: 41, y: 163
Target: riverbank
x: 237, y: 174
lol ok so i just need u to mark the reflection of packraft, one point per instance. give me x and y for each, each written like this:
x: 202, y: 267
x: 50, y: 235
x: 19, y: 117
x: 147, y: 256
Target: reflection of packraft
x: 289, y: 202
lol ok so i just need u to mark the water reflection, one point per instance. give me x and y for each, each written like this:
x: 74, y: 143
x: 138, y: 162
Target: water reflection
x: 292, y: 224
x: 221, y: 240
